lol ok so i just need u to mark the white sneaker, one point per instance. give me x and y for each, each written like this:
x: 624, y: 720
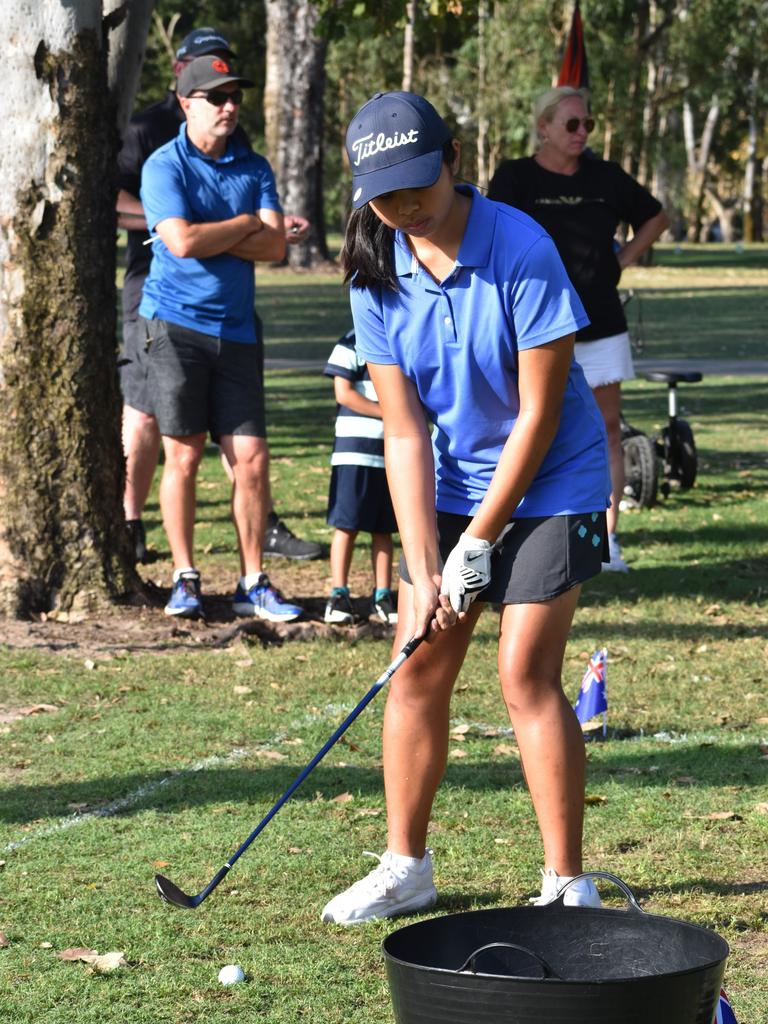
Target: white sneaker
x: 391, y: 888
x: 617, y: 563
x: 581, y: 894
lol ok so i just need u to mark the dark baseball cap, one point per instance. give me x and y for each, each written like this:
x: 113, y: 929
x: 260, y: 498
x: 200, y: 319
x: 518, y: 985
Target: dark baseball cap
x: 200, y: 41
x: 394, y: 141
x: 207, y: 73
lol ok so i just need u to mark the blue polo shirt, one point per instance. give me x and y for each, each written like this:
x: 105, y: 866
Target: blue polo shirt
x: 213, y: 295
x: 458, y: 342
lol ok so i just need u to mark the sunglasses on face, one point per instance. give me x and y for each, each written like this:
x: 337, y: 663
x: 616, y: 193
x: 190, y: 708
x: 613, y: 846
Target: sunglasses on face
x: 572, y: 124
x: 218, y: 98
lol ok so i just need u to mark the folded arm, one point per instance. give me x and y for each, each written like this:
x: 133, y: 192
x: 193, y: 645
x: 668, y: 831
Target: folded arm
x: 130, y: 212
x: 345, y: 394
x: 266, y: 243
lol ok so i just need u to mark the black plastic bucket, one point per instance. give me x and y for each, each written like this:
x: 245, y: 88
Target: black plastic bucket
x: 555, y: 965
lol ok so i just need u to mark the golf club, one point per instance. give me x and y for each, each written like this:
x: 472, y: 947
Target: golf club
x: 172, y: 894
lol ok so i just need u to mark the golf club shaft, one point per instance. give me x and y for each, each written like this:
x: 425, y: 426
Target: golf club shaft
x: 383, y: 679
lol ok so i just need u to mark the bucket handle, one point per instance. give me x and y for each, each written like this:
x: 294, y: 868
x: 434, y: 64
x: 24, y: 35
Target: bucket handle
x: 631, y: 899
x: 547, y: 970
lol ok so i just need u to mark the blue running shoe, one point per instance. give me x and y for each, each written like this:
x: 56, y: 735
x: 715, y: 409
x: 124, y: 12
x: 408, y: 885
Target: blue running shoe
x: 265, y: 602
x: 185, y: 597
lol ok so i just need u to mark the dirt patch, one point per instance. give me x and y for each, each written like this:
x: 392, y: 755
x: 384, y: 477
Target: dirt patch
x: 144, y: 628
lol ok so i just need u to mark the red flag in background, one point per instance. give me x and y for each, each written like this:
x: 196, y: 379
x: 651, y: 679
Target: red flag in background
x: 574, y: 70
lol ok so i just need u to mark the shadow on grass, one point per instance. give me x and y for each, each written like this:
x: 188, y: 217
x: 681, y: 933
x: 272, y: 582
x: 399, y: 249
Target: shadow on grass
x: 637, y: 769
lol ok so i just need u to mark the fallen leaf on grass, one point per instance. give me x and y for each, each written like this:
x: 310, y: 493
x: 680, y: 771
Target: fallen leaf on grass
x: 76, y: 953
x: 593, y: 798
x: 761, y: 808
x: 270, y: 755
x: 686, y: 780
x: 506, y: 750
x: 342, y: 798
x: 460, y: 730
x: 107, y: 962
x: 717, y: 816
x: 161, y: 863
x: 457, y: 753
x: 35, y: 709
x: 242, y: 689
x: 4, y: 940
x: 368, y: 812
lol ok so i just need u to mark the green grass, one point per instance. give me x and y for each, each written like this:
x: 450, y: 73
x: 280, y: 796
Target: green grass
x: 166, y: 761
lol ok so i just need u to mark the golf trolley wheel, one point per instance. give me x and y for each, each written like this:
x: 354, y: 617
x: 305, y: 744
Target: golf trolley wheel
x: 680, y: 461
x: 641, y: 470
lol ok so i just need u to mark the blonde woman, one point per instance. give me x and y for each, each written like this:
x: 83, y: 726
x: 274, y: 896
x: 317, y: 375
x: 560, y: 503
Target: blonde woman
x: 580, y: 200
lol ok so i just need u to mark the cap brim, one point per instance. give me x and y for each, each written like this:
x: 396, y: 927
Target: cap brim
x: 418, y: 172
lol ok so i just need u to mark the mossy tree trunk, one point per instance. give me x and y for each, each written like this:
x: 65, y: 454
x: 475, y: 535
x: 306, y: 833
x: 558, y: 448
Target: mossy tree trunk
x: 62, y: 536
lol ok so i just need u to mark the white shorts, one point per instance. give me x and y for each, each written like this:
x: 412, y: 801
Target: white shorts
x: 605, y: 361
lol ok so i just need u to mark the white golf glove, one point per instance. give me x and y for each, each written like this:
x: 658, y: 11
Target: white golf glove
x: 467, y: 571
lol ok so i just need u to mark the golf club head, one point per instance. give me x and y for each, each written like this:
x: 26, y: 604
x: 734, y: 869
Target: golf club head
x: 172, y: 894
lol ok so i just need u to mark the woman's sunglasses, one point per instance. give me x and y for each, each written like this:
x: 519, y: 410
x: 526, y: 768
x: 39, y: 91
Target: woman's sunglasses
x: 572, y: 124
x: 218, y: 98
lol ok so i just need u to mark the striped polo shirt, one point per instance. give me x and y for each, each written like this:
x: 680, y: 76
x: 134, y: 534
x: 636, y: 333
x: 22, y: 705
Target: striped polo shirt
x: 359, y: 439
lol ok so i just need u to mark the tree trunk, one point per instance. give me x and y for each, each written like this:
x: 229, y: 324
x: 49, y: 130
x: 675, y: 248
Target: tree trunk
x: 697, y: 157
x: 752, y: 204
x: 408, y: 41
x: 63, y: 545
x: 293, y: 112
x: 482, y: 101
x: 127, y: 22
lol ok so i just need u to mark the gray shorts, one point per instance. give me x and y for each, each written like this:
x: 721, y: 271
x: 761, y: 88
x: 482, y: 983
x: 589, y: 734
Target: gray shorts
x: 200, y: 383
x: 133, y: 366
x: 539, y: 558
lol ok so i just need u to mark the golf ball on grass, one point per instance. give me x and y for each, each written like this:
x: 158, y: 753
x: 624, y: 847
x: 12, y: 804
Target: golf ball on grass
x: 231, y: 974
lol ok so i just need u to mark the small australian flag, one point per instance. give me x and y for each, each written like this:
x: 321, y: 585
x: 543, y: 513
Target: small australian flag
x: 593, y: 697
x: 725, y: 1014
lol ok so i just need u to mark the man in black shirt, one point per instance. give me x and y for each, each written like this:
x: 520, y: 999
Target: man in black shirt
x: 147, y: 131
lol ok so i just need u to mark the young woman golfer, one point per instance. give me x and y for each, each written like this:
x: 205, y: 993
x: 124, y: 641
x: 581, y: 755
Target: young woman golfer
x: 466, y: 318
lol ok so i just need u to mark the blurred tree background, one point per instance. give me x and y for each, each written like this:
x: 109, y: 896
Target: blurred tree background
x: 678, y: 87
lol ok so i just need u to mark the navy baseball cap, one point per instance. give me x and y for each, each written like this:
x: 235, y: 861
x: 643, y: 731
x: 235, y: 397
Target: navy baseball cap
x: 201, y: 41
x: 394, y: 141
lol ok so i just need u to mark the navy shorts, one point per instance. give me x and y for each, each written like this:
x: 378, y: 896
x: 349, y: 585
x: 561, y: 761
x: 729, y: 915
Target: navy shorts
x: 200, y: 383
x: 133, y: 367
x: 359, y: 500
x: 540, y: 557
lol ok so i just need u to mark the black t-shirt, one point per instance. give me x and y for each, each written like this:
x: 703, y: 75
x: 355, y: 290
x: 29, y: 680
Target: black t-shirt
x: 581, y: 212
x: 146, y: 132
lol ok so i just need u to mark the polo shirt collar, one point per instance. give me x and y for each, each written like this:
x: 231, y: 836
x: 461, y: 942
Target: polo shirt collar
x: 475, y: 248
x: 234, y: 150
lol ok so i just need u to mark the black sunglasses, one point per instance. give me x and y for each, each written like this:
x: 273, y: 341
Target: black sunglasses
x: 572, y: 124
x: 219, y: 98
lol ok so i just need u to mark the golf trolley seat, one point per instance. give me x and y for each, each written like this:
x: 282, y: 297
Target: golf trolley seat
x: 672, y: 377
x: 674, y: 447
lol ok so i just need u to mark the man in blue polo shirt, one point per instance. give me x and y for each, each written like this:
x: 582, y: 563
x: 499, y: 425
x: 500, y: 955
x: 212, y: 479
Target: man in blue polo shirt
x: 213, y: 205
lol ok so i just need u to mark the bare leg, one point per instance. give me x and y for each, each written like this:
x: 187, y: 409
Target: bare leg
x: 248, y: 458
x: 416, y: 726
x: 177, y: 494
x: 381, y: 557
x: 608, y: 398
x: 531, y: 651
x: 141, y: 446
x: 342, y: 546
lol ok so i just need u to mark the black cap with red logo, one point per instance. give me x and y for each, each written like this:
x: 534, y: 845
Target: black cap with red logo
x: 208, y: 72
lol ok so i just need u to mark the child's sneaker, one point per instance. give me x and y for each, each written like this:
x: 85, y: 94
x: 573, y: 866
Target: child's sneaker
x: 265, y: 602
x: 398, y: 885
x: 581, y: 894
x: 383, y: 607
x: 338, y: 610
x: 185, y: 601
x: 617, y: 563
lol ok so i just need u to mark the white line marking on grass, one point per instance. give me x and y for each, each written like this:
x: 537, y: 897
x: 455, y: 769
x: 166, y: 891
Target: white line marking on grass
x: 130, y: 800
